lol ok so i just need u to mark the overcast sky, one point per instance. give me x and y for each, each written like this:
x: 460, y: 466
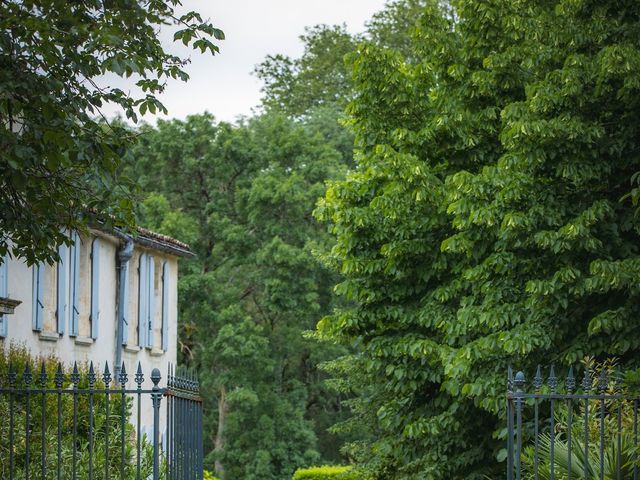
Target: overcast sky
x: 224, y: 84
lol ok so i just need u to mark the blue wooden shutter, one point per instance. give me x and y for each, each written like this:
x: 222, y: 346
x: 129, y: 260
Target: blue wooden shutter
x: 95, y: 288
x: 152, y: 301
x: 38, y: 299
x: 74, y: 284
x: 4, y: 292
x: 142, y: 300
x: 125, y: 304
x: 165, y: 306
x: 62, y: 274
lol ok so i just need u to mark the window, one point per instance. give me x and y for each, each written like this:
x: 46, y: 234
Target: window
x: 74, y: 284
x: 165, y: 305
x: 61, y: 290
x: 4, y: 279
x: 62, y: 278
x: 50, y: 307
x: 146, y: 300
x: 38, y: 297
x: 68, y: 287
x: 95, y: 288
x: 48, y: 303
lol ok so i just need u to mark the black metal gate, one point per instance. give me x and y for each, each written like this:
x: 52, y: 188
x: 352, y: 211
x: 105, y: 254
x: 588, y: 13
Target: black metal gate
x: 184, y: 427
x: 557, y: 429
x: 86, y: 425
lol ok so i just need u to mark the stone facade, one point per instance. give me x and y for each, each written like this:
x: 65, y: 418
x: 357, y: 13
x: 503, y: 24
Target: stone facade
x: 71, y: 310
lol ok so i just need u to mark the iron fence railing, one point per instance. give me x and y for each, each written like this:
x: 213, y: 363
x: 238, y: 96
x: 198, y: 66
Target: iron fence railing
x: 562, y: 429
x: 184, y: 427
x: 89, y: 425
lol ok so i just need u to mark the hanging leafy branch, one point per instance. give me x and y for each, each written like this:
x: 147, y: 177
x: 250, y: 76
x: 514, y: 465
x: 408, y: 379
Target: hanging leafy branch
x: 60, y: 156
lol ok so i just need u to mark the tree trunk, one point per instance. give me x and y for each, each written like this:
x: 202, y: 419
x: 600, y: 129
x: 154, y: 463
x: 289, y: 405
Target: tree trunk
x: 219, y: 443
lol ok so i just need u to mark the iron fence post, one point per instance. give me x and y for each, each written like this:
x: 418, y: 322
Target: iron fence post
x: 570, y: 384
x: 509, y: 424
x: 27, y: 377
x: 156, y: 397
x: 537, y: 383
x: 519, y: 383
x: 553, y: 383
x: 11, y: 377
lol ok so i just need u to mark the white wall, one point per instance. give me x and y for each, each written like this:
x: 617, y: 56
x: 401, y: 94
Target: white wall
x: 82, y: 348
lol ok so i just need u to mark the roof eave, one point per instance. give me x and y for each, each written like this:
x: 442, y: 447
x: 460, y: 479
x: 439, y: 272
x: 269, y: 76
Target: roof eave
x: 156, y: 244
x: 162, y: 246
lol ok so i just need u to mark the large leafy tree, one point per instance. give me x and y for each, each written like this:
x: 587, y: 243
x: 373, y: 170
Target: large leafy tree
x: 242, y: 196
x: 393, y: 26
x: 483, y: 224
x: 59, y: 157
x: 319, y: 78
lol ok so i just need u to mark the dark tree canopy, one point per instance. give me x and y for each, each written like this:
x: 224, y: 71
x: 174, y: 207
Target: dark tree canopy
x: 60, y: 159
x: 242, y: 196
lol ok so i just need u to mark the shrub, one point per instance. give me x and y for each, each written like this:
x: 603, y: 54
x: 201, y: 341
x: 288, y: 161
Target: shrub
x: 325, y: 473
x: 209, y: 476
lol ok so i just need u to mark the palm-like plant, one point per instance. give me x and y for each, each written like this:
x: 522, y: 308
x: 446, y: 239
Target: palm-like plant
x: 610, y: 427
x: 617, y: 465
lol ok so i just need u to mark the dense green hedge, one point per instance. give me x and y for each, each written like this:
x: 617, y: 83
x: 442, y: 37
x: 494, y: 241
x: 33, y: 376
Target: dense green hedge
x: 325, y: 473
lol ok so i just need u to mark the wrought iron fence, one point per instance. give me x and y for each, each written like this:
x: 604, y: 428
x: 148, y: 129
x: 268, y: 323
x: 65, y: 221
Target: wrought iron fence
x: 91, y: 425
x: 184, y: 426
x: 565, y: 429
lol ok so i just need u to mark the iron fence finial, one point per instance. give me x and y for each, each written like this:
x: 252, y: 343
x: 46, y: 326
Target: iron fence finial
x: 122, y: 376
x: 155, y: 376
x: 139, y: 378
x: 537, y: 380
x: 571, y: 381
x: 43, y: 375
x: 603, y: 381
x: 106, y: 375
x: 59, y: 377
x: 552, y: 380
x: 586, y: 381
x: 12, y: 376
x: 519, y: 381
x: 27, y: 376
x: 91, y: 376
x: 75, y: 375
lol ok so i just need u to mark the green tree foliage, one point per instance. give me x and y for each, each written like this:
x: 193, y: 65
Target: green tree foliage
x: 483, y: 224
x: 393, y: 26
x: 319, y: 77
x: 59, y: 159
x: 243, y: 197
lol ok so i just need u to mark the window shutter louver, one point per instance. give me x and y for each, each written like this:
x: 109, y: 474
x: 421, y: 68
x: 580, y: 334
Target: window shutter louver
x: 125, y: 304
x: 165, y: 306
x: 75, y: 284
x: 152, y: 302
x: 142, y: 300
x: 38, y: 300
x: 95, y: 288
x: 4, y: 292
x: 62, y: 304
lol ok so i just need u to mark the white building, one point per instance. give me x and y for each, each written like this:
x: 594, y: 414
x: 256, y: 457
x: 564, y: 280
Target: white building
x: 112, y: 298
